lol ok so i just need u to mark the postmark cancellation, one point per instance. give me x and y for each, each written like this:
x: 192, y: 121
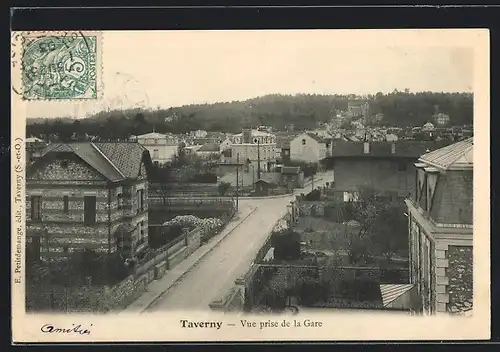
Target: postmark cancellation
x: 60, y: 65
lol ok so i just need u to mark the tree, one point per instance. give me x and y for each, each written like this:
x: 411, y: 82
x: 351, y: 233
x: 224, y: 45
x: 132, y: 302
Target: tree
x: 382, y: 225
x: 286, y: 245
x: 223, y: 187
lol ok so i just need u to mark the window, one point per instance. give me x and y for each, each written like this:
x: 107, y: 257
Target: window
x: 156, y: 141
x: 303, y: 142
x: 119, y: 199
x: 140, y: 200
x: 89, y: 210
x: 155, y: 154
x: 36, y: 208
x: 64, y: 164
x: 65, y: 205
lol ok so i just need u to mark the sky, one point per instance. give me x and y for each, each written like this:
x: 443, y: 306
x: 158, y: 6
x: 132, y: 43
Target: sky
x: 162, y: 69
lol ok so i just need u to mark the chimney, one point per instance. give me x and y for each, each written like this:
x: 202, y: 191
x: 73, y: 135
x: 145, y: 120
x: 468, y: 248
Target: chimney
x: 393, y: 148
x: 366, y: 149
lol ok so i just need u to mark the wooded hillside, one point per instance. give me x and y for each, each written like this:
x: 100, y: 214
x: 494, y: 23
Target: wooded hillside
x: 304, y: 111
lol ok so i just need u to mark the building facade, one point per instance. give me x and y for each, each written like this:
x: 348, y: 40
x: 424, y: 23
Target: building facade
x: 386, y: 167
x: 161, y: 147
x: 250, y: 147
x: 309, y: 147
x: 88, y: 196
x: 440, y: 226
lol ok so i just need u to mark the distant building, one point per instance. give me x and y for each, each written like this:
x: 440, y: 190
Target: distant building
x: 440, y: 229
x: 249, y: 136
x: 387, y: 167
x: 250, y: 146
x: 309, y: 147
x: 198, y: 134
x: 209, y: 149
x: 283, y: 148
x: 441, y: 119
x: 161, y: 147
x: 357, y: 108
x: 87, y: 196
x: 292, y: 177
x: 389, y: 137
x: 428, y: 127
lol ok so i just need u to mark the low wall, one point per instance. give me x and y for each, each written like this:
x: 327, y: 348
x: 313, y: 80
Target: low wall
x: 106, y: 298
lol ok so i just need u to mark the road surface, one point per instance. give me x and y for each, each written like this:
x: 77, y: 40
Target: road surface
x: 217, y: 271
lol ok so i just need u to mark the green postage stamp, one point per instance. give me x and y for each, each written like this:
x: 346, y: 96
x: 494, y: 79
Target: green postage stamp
x: 61, y: 65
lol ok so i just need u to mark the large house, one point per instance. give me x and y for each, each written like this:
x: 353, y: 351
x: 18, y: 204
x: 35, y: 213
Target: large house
x: 88, y: 196
x: 250, y: 147
x: 440, y: 229
x: 309, y: 147
x: 161, y: 147
x: 386, y: 167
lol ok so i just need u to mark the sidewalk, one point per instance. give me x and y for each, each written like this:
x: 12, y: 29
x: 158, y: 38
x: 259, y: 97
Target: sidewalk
x: 172, y: 276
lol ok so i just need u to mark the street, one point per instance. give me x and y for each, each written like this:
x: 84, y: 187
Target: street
x: 217, y: 271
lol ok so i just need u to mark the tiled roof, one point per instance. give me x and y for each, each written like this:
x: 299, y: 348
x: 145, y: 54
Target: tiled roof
x: 317, y: 138
x: 392, y: 292
x: 455, y: 156
x: 126, y: 157
x: 283, y: 142
x: 210, y: 147
x: 115, y: 161
x: 409, y: 149
x: 290, y: 170
x: 152, y: 135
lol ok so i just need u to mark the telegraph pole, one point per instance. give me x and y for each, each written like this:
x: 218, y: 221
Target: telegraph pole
x: 237, y: 179
x: 258, y: 159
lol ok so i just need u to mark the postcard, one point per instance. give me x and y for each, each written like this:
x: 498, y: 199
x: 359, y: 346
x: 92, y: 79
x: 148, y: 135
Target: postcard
x: 256, y: 185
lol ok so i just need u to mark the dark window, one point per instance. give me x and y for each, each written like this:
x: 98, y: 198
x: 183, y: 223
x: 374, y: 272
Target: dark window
x: 89, y: 210
x: 303, y: 142
x: 120, y: 201
x: 401, y: 166
x: 140, y: 200
x: 36, y: 208
x: 64, y: 164
x: 65, y: 205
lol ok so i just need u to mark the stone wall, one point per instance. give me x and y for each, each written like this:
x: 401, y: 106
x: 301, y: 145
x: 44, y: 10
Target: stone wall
x: 460, y: 273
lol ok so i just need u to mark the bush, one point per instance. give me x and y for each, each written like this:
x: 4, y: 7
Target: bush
x: 314, y: 195
x: 223, y: 187
x: 286, y: 246
x: 204, y: 178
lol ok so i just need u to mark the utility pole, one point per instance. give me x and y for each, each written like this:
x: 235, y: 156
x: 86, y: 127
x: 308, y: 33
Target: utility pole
x: 237, y: 179
x: 258, y: 159
x: 253, y: 177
